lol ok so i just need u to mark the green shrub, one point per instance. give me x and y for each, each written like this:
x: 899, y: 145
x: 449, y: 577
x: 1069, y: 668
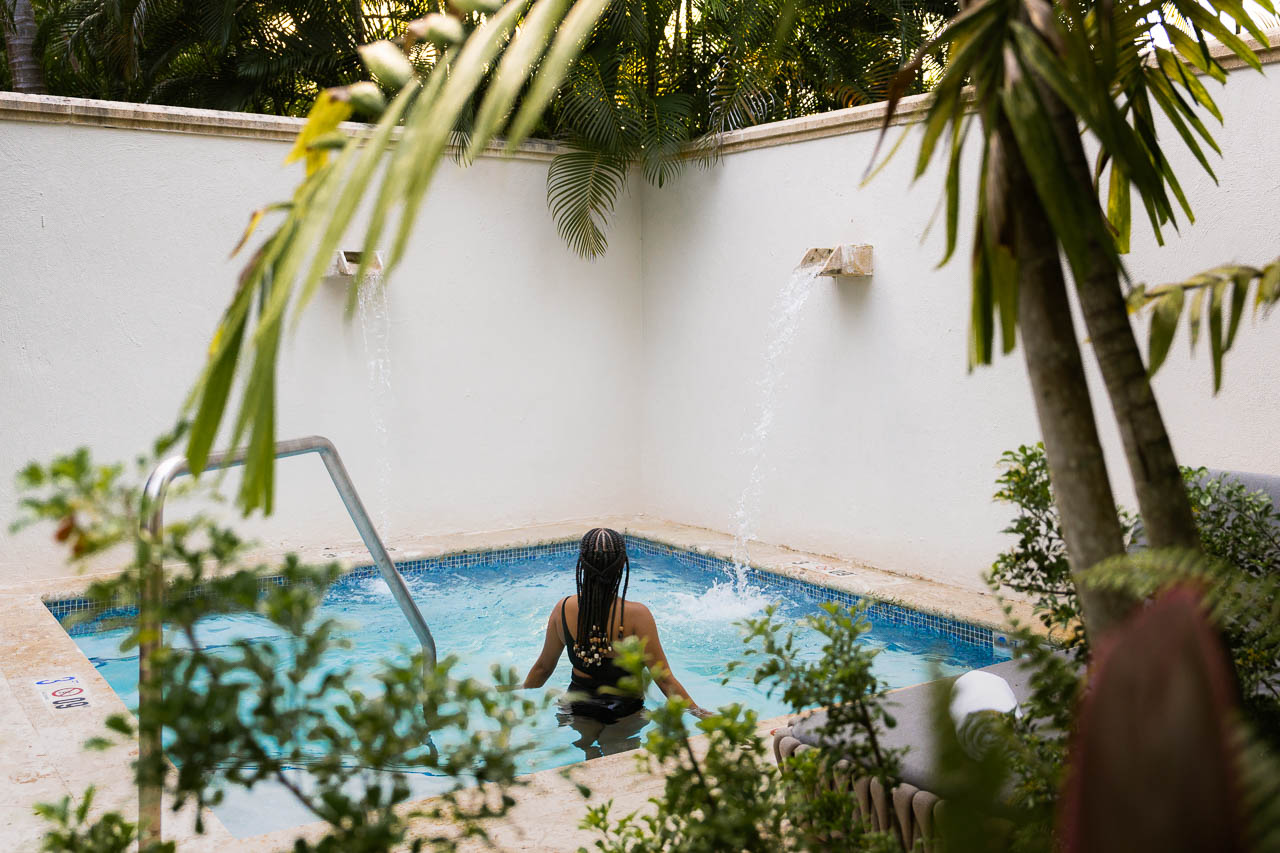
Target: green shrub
x: 728, y: 794
x: 253, y: 712
x: 1238, y: 531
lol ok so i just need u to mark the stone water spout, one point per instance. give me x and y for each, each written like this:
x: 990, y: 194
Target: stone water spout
x: 847, y: 260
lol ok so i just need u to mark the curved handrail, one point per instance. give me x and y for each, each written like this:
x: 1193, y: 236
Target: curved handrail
x: 171, y: 467
x: 157, y: 486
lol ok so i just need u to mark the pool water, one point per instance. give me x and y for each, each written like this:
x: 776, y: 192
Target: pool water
x: 497, y: 613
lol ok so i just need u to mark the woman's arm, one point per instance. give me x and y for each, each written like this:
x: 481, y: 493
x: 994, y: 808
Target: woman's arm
x: 656, y: 658
x: 552, y: 646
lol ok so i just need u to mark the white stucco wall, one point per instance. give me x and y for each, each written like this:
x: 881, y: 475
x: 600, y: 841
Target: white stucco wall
x: 114, y: 244
x: 883, y: 447
x: 530, y: 386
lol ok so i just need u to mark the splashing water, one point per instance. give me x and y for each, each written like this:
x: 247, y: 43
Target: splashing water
x: 375, y: 328
x: 730, y: 601
x: 784, y: 319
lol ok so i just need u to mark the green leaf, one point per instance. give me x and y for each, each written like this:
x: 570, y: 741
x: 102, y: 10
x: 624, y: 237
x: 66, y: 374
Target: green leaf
x: 1216, y: 347
x: 973, y: 18
x: 1072, y: 208
x: 1236, y: 10
x: 1164, y: 323
x: 1118, y: 209
x: 663, y: 134
x: 959, y: 130
x: 325, y: 116
x: 1268, y: 287
x: 1197, y: 310
x: 1239, y: 295
x: 981, y: 299
x: 582, y: 187
x: 514, y: 69
x: 213, y: 399
x: 465, y: 74
x: 1202, y: 18
x: 399, y: 171
x: 353, y: 190
x: 1195, y: 53
x: 1175, y: 70
x: 564, y: 49
x: 1004, y: 285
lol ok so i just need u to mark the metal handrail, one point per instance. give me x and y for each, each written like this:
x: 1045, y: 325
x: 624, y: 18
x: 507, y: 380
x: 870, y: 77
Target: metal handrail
x: 157, y: 485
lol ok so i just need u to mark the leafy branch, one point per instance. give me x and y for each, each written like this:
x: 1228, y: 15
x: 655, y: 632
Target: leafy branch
x: 1107, y: 71
x: 1218, y: 296
x: 282, y: 705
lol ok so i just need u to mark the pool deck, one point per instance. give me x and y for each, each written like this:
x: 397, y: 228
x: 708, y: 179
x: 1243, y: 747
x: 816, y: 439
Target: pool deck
x: 42, y: 754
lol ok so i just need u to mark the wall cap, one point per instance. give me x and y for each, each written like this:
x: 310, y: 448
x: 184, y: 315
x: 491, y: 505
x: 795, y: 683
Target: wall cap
x: 55, y: 109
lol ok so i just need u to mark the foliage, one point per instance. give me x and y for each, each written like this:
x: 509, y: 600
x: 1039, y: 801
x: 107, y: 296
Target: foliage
x: 1037, y: 565
x: 1095, y: 62
x: 661, y: 76
x: 279, y: 710
x: 1245, y: 607
x: 268, y: 57
x: 74, y: 829
x: 725, y: 793
x: 1154, y: 736
x: 1239, y: 532
x: 1207, y: 293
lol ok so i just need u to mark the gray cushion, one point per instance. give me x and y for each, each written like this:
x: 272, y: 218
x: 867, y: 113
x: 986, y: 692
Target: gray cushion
x: 1269, y: 483
x: 912, y: 708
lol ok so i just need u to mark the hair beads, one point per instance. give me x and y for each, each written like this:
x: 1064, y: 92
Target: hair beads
x: 602, y: 567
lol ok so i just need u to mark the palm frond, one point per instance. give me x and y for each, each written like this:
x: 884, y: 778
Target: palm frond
x: 582, y: 189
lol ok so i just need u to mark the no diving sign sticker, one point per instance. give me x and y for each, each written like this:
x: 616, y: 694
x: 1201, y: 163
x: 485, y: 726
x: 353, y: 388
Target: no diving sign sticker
x: 63, y: 693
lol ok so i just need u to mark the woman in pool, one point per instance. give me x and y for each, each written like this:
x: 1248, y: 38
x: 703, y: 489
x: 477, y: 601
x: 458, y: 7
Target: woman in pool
x: 588, y: 624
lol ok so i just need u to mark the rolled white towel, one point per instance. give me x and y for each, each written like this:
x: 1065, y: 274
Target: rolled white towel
x: 975, y: 697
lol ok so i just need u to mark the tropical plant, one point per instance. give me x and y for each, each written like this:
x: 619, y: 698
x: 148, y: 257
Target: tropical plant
x: 656, y: 76
x: 1206, y: 297
x: 1239, y: 534
x: 277, y: 708
x: 725, y: 793
x: 661, y: 80
x: 18, y: 21
x: 1039, y: 782
x: 262, y: 57
x: 1041, y: 74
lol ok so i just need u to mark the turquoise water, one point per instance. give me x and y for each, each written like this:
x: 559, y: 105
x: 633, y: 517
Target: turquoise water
x: 491, y: 614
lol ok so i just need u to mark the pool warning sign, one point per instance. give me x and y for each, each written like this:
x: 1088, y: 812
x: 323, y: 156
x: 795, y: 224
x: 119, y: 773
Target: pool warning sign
x: 63, y: 693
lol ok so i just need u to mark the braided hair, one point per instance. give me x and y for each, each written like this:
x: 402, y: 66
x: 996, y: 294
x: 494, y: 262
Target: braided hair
x: 602, y: 567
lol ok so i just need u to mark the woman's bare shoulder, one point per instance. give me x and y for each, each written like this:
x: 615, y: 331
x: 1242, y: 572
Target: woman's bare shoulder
x: 637, y: 611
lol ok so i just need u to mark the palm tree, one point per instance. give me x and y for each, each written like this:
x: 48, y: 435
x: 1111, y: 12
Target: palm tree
x: 19, y: 21
x: 271, y: 57
x: 660, y: 74
x: 1040, y: 73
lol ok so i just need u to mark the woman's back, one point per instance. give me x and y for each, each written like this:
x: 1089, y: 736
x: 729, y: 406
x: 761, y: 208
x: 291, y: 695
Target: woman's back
x: 588, y: 625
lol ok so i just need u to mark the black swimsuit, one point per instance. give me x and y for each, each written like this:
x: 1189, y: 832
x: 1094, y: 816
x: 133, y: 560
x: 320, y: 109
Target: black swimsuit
x: 607, y: 707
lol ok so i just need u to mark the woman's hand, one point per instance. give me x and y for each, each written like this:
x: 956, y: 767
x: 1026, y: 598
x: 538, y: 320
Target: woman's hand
x: 700, y: 712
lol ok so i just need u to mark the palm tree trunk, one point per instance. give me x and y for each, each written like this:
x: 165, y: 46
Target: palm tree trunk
x: 19, y: 43
x: 1081, y: 488
x: 1157, y: 480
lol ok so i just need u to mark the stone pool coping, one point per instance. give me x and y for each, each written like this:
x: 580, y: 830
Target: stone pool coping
x: 42, y: 749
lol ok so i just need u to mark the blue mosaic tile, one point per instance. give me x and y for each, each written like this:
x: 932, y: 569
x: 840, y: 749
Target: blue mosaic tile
x: 81, y: 616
